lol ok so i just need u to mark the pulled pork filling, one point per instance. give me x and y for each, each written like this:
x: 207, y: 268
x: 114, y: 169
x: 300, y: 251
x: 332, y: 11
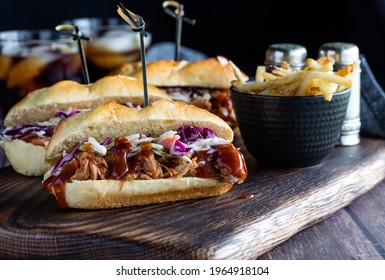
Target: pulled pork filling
x: 37, y: 133
x: 217, y: 101
x: 188, y: 152
x: 144, y: 165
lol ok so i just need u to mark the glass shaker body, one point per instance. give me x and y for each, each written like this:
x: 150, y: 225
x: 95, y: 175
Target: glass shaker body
x: 344, y: 54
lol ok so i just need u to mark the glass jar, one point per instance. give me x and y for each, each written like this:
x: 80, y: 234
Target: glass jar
x: 32, y: 59
x: 112, y: 44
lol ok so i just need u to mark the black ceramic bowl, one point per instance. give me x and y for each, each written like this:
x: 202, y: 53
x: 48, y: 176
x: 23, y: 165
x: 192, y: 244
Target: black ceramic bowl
x: 289, y: 131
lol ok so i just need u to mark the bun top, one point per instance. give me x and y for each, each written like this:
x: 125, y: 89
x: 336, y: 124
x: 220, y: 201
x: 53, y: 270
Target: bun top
x: 114, y: 120
x: 213, y: 72
x: 41, y: 105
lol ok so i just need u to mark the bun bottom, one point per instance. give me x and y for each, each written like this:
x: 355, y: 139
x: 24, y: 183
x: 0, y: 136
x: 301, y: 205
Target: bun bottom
x: 26, y: 158
x: 103, y: 194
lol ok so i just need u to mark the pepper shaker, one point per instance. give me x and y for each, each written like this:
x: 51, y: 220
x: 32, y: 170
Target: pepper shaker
x: 344, y: 54
x: 295, y: 55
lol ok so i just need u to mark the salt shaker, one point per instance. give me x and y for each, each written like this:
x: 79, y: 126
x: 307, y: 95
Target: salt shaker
x: 295, y: 55
x: 344, y: 54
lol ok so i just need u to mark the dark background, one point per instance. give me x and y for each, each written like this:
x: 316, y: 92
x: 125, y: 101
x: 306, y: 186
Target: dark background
x: 240, y: 30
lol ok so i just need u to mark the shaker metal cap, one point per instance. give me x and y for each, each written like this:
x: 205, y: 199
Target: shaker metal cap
x: 293, y: 54
x: 343, y: 53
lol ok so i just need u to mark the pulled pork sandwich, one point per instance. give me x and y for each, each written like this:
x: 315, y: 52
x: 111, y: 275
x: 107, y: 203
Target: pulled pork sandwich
x: 31, y: 122
x: 115, y: 156
x: 203, y: 83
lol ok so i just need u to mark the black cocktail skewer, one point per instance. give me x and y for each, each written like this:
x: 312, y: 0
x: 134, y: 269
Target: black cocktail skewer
x: 138, y: 25
x: 78, y: 37
x: 178, y: 14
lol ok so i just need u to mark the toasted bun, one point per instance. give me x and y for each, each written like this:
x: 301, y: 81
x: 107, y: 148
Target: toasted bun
x: 114, y: 120
x: 214, y: 72
x: 26, y: 158
x: 41, y: 105
x: 104, y: 194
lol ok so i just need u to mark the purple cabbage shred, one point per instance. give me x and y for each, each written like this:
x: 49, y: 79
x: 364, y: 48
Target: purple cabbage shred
x: 66, y: 114
x: 191, y: 133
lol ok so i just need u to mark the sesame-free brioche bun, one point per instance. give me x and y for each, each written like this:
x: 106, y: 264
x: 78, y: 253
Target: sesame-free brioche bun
x: 213, y: 72
x: 26, y: 158
x: 114, y: 120
x: 105, y: 194
x: 41, y: 105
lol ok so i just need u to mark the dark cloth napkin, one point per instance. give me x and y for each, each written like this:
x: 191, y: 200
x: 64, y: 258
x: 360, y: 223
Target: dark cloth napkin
x: 372, y: 103
x: 166, y: 50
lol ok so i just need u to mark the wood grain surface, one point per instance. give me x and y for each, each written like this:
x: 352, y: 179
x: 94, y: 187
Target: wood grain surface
x: 355, y: 232
x: 285, y: 202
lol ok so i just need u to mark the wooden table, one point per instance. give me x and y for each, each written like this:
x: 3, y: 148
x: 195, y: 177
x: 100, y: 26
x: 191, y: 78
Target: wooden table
x: 331, y: 211
x: 354, y: 232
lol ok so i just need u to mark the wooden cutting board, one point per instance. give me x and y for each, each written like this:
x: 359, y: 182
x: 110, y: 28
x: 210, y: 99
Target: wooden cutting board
x: 285, y: 201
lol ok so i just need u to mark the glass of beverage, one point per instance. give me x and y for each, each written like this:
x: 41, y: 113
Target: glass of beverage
x: 112, y: 43
x: 32, y: 59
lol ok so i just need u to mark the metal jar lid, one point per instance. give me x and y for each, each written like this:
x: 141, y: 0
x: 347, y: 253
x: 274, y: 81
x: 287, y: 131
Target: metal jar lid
x: 343, y: 53
x: 293, y: 54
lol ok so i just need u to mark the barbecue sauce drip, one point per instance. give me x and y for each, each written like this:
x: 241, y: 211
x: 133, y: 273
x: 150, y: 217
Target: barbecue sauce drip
x: 122, y: 148
x: 56, y: 183
x: 227, y: 157
x: 231, y: 158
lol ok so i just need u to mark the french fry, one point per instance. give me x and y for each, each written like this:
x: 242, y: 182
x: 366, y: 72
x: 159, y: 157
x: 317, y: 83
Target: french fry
x: 324, y: 64
x: 259, y: 86
x: 333, y: 78
x: 259, y: 73
x: 317, y: 78
x: 279, y: 71
x: 304, y: 86
x: 293, y: 88
x: 285, y: 65
x: 346, y: 71
x: 269, y: 92
x: 319, y: 86
x: 237, y: 72
x: 268, y: 76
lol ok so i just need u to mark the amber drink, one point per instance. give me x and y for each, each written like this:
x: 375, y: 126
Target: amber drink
x: 32, y: 59
x: 112, y: 43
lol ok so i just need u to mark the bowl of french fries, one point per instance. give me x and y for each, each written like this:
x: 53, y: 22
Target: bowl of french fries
x: 292, y: 118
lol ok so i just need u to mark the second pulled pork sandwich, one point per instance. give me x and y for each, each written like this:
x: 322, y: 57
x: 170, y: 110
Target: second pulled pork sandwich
x: 31, y: 122
x: 203, y: 83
